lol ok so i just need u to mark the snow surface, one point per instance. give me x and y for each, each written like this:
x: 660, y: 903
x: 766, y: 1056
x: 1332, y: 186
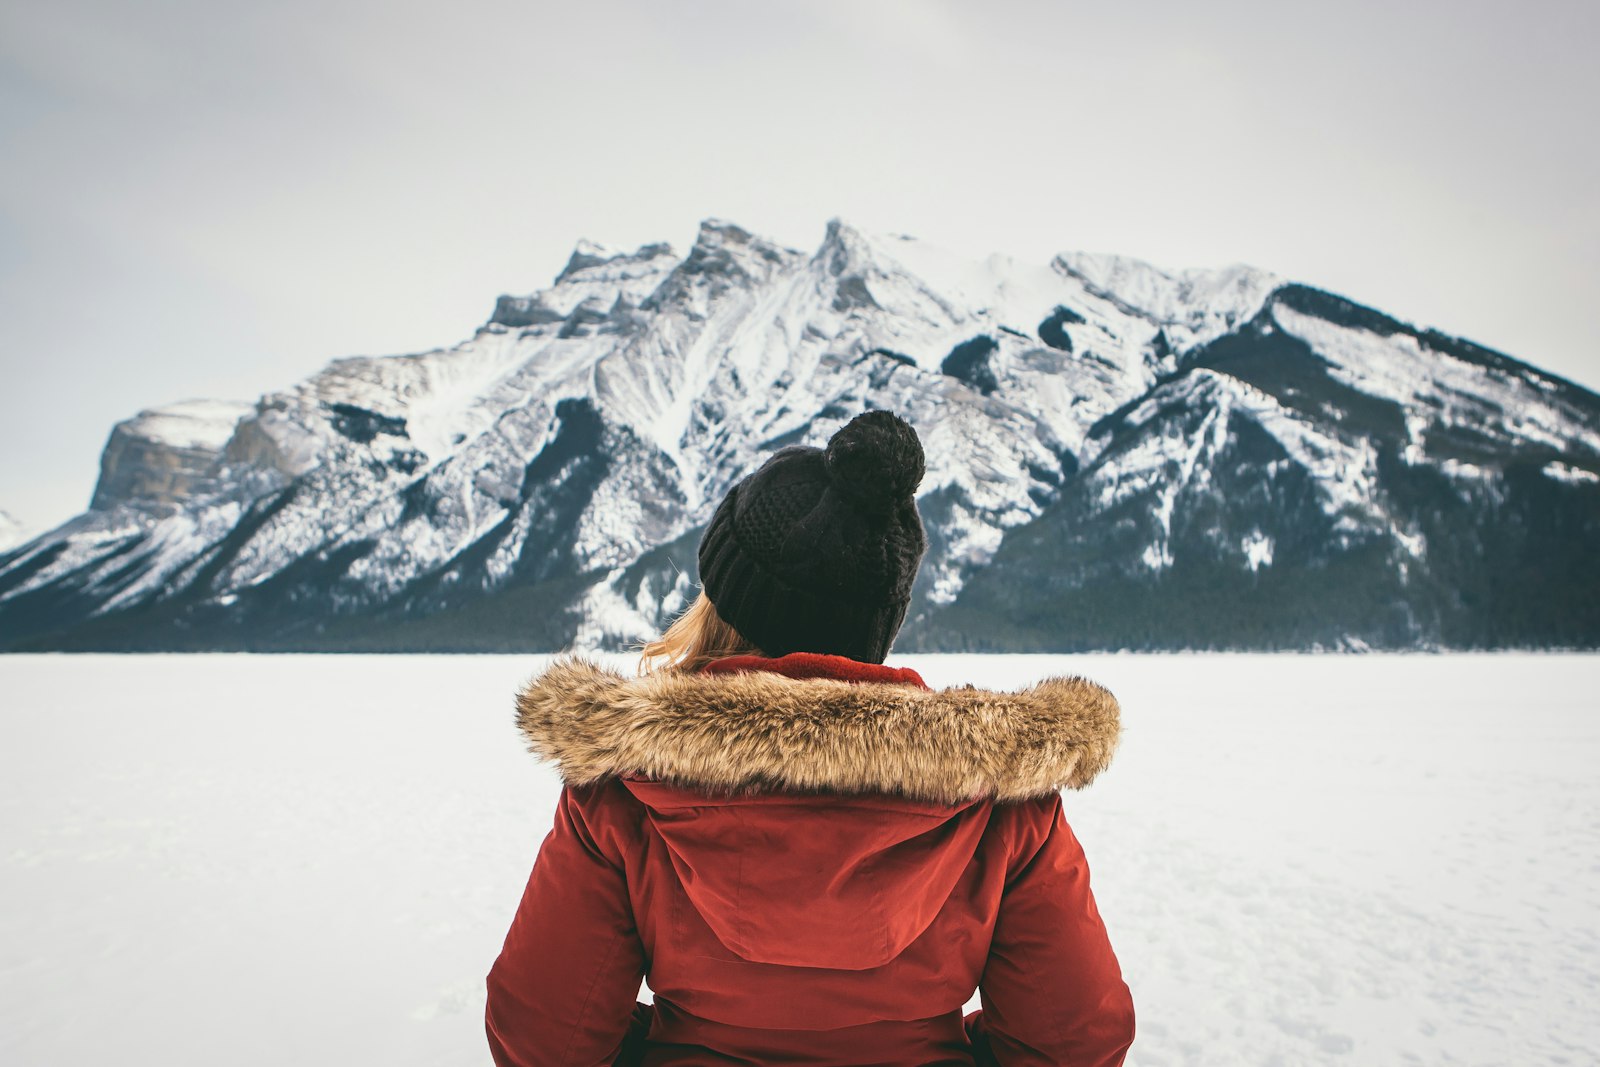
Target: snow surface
x: 313, y: 860
x: 193, y: 424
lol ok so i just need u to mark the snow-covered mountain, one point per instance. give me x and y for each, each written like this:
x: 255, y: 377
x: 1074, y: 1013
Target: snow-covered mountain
x: 1118, y: 456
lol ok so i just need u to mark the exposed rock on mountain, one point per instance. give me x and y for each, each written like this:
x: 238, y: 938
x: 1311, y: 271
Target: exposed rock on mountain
x: 166, y: 455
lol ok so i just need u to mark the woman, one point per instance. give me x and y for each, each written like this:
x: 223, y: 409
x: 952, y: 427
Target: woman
x: 812, y: 857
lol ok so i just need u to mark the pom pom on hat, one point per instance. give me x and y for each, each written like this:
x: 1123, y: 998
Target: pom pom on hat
x: 876, y: 460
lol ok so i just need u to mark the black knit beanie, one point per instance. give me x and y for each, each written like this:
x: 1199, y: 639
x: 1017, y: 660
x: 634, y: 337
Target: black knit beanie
x: 816, y: 551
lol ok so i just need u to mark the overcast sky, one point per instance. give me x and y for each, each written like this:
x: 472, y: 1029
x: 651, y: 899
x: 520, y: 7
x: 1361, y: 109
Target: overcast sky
x: 207, y: 198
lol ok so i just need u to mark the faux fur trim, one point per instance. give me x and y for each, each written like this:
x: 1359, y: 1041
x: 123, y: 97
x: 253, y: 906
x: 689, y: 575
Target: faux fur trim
x: 758, y: 730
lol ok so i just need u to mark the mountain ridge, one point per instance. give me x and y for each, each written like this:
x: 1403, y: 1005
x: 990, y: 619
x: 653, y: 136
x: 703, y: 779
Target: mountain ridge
x: 1109, y: 445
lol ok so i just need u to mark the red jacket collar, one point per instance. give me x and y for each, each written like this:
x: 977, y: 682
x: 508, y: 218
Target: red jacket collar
x: 817, y: 665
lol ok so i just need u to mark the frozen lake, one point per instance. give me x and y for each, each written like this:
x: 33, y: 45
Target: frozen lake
x: 313, y: 860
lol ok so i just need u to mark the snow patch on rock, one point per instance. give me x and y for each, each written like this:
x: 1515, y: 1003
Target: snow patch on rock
x: 1565, y: 472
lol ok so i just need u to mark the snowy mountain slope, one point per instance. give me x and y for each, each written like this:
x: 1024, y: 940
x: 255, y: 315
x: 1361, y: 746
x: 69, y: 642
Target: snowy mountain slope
x: 1095, y: 428
x: 1322, y: 476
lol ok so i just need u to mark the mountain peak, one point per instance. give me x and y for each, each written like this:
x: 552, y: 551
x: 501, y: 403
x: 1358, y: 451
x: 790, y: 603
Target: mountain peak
x: 1232, y: 293
x: 724, y: 254
x: 596, y: 276
x: 718, y: 230
x: 719, y: 239
x: 588, y: 255
x: 844, y: 246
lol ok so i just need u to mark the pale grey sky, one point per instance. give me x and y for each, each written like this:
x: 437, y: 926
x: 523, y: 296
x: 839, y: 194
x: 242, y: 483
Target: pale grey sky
x: 212, y: 198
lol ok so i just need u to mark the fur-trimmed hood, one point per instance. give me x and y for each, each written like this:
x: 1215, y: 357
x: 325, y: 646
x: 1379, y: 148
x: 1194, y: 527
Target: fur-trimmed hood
x: 759, y: 730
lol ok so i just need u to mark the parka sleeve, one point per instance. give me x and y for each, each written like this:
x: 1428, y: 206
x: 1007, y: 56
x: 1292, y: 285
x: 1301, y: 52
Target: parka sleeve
x: 1052, y: 990
x: 563, y: 988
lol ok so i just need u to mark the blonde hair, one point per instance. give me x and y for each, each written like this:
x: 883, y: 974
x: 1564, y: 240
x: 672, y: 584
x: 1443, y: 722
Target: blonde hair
x: 694, y: 639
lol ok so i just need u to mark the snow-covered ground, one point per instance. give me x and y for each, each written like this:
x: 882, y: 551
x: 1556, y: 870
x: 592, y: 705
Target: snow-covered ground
x: 312, y: 860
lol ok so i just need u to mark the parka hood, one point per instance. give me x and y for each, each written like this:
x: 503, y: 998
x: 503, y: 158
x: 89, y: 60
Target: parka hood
x: 814, y: 821
x: 760, y: 730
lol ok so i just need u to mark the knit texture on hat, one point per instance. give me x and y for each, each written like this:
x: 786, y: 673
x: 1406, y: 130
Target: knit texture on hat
x: 817, y: 550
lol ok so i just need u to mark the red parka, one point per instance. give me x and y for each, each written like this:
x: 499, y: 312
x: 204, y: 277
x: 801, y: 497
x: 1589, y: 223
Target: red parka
x: 812, y: 861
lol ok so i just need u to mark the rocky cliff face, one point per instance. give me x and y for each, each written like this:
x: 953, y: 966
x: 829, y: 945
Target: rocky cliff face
x: 161, y: 457
x: 1118, y: 456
